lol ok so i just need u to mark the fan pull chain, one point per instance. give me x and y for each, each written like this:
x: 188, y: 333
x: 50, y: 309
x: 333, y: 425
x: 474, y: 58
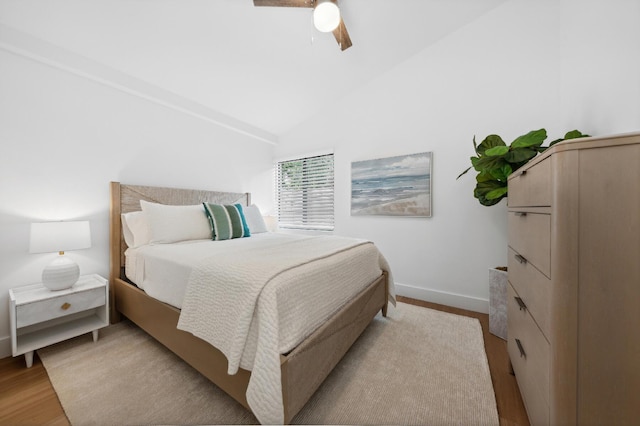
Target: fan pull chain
x: 312, y: 37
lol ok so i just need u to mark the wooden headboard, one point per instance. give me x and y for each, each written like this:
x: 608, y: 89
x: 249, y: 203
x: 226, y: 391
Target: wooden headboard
x: 126, y: 198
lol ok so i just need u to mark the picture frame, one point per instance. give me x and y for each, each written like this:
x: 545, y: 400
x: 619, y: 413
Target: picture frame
x: 392, y: 186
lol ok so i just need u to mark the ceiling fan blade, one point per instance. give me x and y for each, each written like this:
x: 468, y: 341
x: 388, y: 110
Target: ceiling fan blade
x: 342, y: 36
x: 284, y: 3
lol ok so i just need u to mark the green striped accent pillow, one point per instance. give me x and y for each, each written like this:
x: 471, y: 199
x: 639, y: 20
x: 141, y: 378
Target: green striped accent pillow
x: 227, y: 221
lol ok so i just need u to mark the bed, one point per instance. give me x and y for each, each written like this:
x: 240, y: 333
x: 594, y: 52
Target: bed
x: 302, y: 367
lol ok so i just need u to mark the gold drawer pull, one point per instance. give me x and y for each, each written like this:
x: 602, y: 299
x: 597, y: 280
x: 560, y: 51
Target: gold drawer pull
x: 65, y: 306
x: 521, y: 349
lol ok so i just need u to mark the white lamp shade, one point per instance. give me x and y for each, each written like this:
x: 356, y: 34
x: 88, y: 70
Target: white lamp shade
x: 326, y: 16
x: 48, y: 237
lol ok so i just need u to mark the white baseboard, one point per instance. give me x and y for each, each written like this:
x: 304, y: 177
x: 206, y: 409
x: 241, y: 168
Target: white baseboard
x: 444, y: 298
x: 5, y: 347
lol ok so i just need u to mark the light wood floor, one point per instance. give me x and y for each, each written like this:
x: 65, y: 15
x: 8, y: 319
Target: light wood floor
x: 27, y: 397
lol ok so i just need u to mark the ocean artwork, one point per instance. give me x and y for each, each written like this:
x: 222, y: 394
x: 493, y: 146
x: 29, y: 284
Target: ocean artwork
x: 392, y: 186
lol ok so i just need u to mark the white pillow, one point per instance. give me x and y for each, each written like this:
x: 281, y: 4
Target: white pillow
x: 170, y: 224
x: 135, y: 229
x: 254, y: 219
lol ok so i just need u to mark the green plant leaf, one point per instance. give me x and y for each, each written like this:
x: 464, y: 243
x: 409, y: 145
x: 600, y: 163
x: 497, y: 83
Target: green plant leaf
x: 497, y: 151
x: 517, y: 156
x: 489, y: 163
x: 488, y: 203
x: 488, y: 143
x: 484, y: 176
x: 502, y: 173
x: 507, y: 169
x: 531, y: 139
x: 483, y: 188
x: 497, y: 193
x: 574, y: 134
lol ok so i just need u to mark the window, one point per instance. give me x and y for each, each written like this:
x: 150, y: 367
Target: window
x: 305, y: 193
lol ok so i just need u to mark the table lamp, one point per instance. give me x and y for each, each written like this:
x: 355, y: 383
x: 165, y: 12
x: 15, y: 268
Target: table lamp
x: 49, y: 237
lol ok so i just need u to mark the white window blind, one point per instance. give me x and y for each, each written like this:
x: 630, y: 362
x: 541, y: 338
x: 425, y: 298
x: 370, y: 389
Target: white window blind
x: 305, y: 193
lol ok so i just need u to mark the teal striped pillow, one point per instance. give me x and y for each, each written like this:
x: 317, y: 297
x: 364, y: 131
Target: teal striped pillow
x: 227, y: 221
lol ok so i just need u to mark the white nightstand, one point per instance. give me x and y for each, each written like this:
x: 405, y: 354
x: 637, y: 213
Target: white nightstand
x: 40, y: 317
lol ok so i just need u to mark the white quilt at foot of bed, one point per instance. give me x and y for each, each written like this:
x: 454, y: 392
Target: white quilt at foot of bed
x: 226, y: 290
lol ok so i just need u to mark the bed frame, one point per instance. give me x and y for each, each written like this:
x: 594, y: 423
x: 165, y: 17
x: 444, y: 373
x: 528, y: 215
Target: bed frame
x: 303, y: 369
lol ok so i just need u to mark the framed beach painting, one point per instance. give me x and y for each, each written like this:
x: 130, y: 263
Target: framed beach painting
x: 392, y: 186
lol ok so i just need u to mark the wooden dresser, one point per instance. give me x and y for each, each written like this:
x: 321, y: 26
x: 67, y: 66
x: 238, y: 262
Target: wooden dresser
x: 574, y: 282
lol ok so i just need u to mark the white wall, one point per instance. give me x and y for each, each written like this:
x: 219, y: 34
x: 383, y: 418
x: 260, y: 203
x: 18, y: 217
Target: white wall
x: 523, y: 66
x: 64, y: 138
x: 600, y: 73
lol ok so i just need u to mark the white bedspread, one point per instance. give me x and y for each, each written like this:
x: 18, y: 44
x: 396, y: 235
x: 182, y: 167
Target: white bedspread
x: 242, y: 290
x: 163, y: 270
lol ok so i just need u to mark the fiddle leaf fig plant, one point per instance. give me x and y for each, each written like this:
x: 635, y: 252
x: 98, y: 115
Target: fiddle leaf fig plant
x: 495, y: 161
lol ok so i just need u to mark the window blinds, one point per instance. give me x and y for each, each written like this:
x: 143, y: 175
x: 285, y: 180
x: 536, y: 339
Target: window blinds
x: 305, y: 193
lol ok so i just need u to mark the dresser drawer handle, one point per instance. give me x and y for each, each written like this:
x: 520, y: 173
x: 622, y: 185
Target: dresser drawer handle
x: 521, y: 259
x: 521, y: 213
x: 521, y: 349
x: 521, y: 303
x: 65, y: 306
x: 524, y: 172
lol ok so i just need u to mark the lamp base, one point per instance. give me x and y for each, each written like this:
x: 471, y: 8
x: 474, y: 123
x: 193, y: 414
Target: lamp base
x: 61, y: 274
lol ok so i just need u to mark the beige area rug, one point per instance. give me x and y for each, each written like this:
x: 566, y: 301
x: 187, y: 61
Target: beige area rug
x: 417, y: 366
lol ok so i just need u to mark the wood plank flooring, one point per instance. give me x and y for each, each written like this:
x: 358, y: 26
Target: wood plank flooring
x: 27, y: 397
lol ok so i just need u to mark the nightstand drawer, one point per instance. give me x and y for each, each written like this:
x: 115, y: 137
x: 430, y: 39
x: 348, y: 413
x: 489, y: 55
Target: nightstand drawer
x: 530, y: 237
x: 533, y: 288
x: 529, y: 355
x: 44, y: 310
x: 531, y: 187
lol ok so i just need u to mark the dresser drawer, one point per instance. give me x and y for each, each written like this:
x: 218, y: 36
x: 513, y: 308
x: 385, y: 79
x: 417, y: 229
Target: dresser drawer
x: 530, y: 237
x: 529, y: 355
x: 533, y: 288
x: 47, y: 309
x: 531, y: 187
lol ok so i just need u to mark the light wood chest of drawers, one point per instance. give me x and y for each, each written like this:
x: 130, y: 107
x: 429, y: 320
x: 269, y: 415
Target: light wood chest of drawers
x: 574, y: 282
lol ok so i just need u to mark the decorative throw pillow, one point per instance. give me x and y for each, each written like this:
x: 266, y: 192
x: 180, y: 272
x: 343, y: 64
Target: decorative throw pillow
x: 135, y: 229
x: 170, y: 224
x: 227, y: 221
x: 254, y: 218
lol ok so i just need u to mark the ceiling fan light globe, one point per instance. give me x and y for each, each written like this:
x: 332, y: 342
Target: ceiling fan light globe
x: 326, y: 16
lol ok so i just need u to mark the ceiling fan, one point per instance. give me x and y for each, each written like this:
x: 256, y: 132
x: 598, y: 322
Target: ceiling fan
x: 326, y: 16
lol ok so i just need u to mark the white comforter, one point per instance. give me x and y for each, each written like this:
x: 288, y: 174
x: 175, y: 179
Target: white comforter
x: 240, y: 290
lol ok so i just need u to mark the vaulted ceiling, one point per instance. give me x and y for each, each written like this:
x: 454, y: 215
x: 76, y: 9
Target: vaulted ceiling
x: 264, y: 67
